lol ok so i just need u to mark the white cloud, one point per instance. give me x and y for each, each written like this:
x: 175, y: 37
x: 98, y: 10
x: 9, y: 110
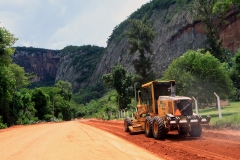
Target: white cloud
x: 55, y: 24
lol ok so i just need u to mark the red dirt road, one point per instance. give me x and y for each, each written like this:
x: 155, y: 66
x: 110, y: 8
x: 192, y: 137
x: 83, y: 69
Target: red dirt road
x: 88, y: 139
x: 224, y: 145
x: 68, y: 141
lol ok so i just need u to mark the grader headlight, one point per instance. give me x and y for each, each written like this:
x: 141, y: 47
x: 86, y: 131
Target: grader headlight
x: 177, y: 120
x: 188, y: 119
x: 199, y: 119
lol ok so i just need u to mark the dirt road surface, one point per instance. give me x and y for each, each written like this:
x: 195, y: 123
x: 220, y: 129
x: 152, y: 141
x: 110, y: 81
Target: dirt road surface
x: 67, y: 140
x: 212, y: 145
x: 106, y: 140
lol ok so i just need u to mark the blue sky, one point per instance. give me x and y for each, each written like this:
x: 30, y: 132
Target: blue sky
x: 54, y: 24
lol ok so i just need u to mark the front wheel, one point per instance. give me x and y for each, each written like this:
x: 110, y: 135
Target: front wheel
x: 196, y: 130
x: 158, y: 128
x: 148, y: 126
x: 127, y: 123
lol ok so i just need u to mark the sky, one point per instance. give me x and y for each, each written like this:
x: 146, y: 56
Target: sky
x: 55, y: 24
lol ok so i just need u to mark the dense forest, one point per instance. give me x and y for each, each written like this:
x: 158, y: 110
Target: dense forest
x: 21, y: 104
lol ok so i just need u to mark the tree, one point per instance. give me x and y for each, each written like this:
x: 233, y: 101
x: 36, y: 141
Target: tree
x: 200, y: 75
x: 19, y: 75
x: 41, y: 103
x: 26, y: 111
x: 235, y: 75
x: 212, y: 21
x: 60, y: 105
x: 122, y: 81
x: 6, y: 41
x: 140, y: 36
x: 7, y: 83
x: 66, y: 89
x: 224, y: 5
x: 7, y: 80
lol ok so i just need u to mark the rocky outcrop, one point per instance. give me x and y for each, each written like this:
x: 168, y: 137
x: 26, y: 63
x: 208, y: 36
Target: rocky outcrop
x: 73, y: 64
x: 43, y: 63
x: 77, y: 66
x: 173, y: 39
x: 230, y: 33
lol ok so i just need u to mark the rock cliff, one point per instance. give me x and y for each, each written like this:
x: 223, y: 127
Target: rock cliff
x: 43, y: 63
x: 173, y: 39
x: 73, y: 64
x: 76, y: 66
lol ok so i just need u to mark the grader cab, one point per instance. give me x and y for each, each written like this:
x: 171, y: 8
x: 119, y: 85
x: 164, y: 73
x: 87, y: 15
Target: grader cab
x: 159, y: 111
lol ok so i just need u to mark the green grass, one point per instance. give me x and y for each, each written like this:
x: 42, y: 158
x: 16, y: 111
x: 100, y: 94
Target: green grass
x: 230, y: 116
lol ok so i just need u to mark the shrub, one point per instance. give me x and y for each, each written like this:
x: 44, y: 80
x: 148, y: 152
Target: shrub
x: 47, y: 117
x: 233, y: 123
x: 2, y: 125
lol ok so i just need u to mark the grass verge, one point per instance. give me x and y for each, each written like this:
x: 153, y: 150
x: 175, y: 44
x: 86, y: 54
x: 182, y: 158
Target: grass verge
x: 230, y: 116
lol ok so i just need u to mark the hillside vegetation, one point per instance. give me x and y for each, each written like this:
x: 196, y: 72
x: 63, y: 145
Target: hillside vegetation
x: 147, y: 10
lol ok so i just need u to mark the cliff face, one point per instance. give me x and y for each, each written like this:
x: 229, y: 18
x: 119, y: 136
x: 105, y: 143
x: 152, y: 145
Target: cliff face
x: 42, y: 62
x: 173, y: 40
x: 230, y: 34
x: 73, y: 64
x: 77, y: 66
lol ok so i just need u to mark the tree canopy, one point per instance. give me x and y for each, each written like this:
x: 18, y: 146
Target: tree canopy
x: 140, y: 37
x: 7, y: 79
x: 122, y: 81
x: 203, y: 11
x: 200, y: 75
x: 224, y: 5
x: 235, y: 74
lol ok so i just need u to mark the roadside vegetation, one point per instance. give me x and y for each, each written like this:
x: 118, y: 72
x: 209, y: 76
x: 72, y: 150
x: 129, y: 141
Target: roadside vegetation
x: 230, y: 116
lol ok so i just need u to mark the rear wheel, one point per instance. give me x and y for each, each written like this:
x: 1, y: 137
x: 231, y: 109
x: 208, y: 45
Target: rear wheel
x: 158, y: 128
x: 183, y: 131
x: 127, y: 123
x: 148, y: 126
x: 196, y: 130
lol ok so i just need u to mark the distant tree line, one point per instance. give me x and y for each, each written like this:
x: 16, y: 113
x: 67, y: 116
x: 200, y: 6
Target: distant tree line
x: 34, y: 50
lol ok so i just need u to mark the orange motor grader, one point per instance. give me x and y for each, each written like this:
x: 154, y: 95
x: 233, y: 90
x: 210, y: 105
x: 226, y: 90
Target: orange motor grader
x: 159, y: 111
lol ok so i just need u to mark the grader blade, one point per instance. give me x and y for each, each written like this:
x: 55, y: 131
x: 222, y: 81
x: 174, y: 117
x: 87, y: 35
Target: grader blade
x: 136, y: 128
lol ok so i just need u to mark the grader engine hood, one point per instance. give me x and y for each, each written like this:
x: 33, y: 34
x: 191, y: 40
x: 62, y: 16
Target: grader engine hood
x: 180, y: 111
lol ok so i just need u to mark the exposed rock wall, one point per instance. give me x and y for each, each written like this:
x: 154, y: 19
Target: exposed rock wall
x: 230, y: 34
x: 173, y: 39
x: 68, y: 72
x: 43, y: 64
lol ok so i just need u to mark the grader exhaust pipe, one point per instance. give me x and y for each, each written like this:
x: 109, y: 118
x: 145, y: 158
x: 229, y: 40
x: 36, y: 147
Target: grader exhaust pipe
x: 172, y: 88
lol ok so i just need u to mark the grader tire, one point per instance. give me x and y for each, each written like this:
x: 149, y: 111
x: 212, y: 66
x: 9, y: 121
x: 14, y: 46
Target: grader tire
x: 158, y: 128
x: 127, y: 123
x: 148, y: 126
x: 183, y: 132
x: 196, y: 130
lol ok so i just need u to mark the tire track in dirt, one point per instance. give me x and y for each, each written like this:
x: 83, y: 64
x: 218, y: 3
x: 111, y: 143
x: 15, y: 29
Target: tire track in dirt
x: 222, y: 140
x: 175, y: 147
x: 92, y: 136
